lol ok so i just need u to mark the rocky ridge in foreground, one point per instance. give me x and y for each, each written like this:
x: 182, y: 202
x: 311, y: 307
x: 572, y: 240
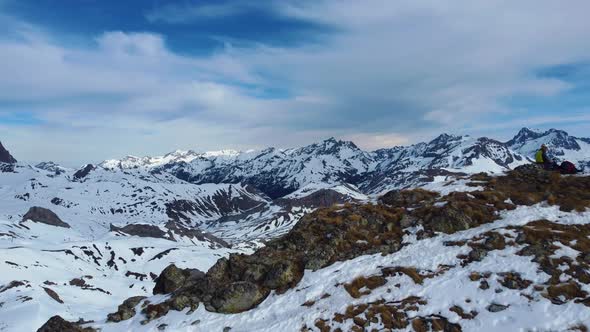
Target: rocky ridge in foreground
x: 398, y: 222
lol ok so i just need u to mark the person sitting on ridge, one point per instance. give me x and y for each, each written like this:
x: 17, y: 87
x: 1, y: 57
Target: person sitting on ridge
x: 542, y: 159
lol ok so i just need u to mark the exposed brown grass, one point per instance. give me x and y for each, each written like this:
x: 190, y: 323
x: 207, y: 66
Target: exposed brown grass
x: 362, y: 286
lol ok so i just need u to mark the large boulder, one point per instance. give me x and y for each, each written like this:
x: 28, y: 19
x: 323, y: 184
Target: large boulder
x: 238, y: 297
x: 173, y: 278
x: 44, y: 216
x: 283, y: 275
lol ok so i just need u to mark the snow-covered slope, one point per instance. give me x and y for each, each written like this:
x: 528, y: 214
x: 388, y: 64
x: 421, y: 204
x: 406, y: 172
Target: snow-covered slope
x: 103, y: 197
x: 278, y: 172
x: 479, y: 260
x: 46, y: 270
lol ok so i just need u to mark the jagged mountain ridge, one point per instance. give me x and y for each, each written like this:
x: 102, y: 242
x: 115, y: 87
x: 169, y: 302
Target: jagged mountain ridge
x: 562, y: 146
x: 279, y: 172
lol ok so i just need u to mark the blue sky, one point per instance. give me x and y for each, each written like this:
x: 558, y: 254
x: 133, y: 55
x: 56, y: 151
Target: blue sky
x: 86, y: 80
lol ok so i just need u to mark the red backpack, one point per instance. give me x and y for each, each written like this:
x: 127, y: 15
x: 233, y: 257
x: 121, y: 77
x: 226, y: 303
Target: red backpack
x: 567, y: 168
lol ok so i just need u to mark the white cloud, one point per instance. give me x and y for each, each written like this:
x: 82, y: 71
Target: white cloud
x: 391, y: 73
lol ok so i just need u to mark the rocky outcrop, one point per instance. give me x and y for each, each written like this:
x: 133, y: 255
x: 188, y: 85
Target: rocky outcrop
x: 241, y: 282
x: 333, y: 234
x: 5, y: 156
x: 58, y: 324
x: 529, y: 184
x: 126, y: 310
x: 141, y: 230
x: 83, y: 172
x: 44, y: 216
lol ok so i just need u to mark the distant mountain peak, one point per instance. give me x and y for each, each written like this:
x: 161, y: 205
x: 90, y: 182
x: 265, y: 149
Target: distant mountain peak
x: 340, y: 143
x: 526, y: 130
x: 562, y: 145
x: 5, y: 156
x: 446, y: 137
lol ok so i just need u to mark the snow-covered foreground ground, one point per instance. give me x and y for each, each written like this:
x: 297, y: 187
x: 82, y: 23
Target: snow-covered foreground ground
x: 526, y: 309
x: 89, y: 277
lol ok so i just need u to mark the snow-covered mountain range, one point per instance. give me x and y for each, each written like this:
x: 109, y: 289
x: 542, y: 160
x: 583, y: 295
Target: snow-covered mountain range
x: 128, y: 219
x: 279, y: 172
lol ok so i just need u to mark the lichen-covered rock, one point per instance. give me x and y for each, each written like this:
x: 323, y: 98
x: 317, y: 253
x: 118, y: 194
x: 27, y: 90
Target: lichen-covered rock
x: 283, y: 275
x: 238, y: 297
x: 153, y: 311
x: 459, y: 211
x: 408, y: 198
x: 183, y: 301
x: 126, y: 310
x: 173, y: 278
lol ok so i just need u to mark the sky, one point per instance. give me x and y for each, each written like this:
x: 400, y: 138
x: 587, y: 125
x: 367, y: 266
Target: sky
x: 87, y: 80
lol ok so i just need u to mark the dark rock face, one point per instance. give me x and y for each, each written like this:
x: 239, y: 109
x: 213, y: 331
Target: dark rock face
x: 53, y: 295
x: 5, y: 156
x: 141, y: 230
x: 494, y: 307
x: 7, y: 168
x: 44, y: 216
x: 83, y: 172
x: 58, y: 324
